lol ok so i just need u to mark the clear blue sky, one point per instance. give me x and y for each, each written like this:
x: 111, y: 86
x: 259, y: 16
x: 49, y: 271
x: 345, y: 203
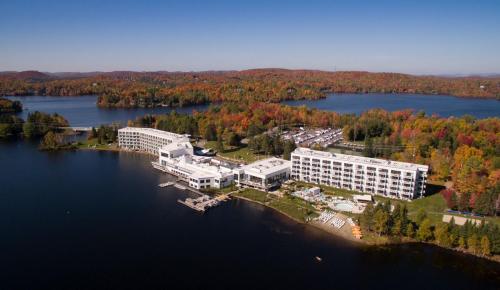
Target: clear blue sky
x: 421, y: 37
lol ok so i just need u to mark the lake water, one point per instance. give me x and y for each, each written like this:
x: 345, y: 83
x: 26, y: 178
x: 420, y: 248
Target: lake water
x: 94, y: 220
x: 444, y: 106
x: 82, y: 111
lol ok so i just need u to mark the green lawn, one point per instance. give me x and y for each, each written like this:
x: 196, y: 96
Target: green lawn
x: 92, y: 143
x: 241, y: 153
x: 291, y: 206
x: 253, y: 194
x: 434, y: 206
x: 294, y: 207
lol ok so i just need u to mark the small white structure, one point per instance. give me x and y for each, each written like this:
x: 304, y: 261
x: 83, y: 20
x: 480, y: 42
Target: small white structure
x: 263, y: 174
x: 315, y: 190
x: 362, y: 198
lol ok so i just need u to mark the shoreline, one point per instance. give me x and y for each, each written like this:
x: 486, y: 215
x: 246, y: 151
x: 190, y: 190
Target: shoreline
x: 312, y: 224
x: 333, y: 232
x: 322, y: 227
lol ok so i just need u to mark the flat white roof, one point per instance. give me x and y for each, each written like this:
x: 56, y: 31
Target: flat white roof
x: 358, y: 159
x: 154, y: 132
x: 267, y: 166
x: 177, y: 145
x: 198, y: 168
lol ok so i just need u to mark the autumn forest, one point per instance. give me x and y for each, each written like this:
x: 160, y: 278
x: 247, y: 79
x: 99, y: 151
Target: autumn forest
x: 149, y: 89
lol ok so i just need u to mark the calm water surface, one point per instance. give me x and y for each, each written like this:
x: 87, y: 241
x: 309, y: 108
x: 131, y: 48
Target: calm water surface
x: 92, y: 220
x: 82, y: 111
x: 444, y: 106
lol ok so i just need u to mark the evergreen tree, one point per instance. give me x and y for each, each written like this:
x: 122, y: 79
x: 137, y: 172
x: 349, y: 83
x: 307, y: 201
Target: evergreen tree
x: 485, y: 203
x: 253, y: 130
x: 464, y: 201
x: 404, y: 219
x: 421, y: 216
x: 442, y: 235
x: 366, y: 219
x: 381, y: 219
x: 410, y: 230
x: 253, y: 144
x: 472, y: 243
x: 266, y: 144
x: 288, y: 149
x: 485, y: 246
x: 424, y: 232
x: 220, y: 144
x: 277, y: 144
x: 210, y: 133
x: 461, y: 243
x: 454, y: 200
x: 29, y: 129
x: 233, y: 139
x: 368, y: 150
x: 50, y: 141
x: 397, y: 227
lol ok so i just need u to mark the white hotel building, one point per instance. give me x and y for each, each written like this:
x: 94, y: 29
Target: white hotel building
x: 147, y: 139
x: 263, y: 174
x: 197, y: 171
x: 375, y: 176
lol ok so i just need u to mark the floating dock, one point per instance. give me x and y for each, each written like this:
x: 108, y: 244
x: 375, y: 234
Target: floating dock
x: 200, y: 203
x: 166, y: 184
x: 203, y: 202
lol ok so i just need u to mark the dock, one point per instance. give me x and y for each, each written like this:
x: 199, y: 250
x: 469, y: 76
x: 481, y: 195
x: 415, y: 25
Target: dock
x: 166, y: 184
x: 204, y: 202
x: 201, y: 203
x: 179, y: 186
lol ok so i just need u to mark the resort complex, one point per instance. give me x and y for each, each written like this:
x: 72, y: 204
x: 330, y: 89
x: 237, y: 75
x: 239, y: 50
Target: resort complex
x: 369, y: 175
x: 374, y: 176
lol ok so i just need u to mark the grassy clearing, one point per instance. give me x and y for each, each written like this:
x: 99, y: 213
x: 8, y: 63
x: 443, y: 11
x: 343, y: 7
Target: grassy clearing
x: 242, y: 153
x: 434, y: 206
x: 93, y: 144
x: 293, y: 207
x: 253, y: 194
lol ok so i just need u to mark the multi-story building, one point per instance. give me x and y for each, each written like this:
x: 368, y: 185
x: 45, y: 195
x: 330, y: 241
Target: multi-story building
x: 264, y: 174
x: 375, y: 176
x: 197, y: 171
x: 147, y: 139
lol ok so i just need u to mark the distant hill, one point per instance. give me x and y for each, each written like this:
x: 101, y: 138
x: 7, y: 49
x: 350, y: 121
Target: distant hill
x: 25, y: 75
x: 162, y: 88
